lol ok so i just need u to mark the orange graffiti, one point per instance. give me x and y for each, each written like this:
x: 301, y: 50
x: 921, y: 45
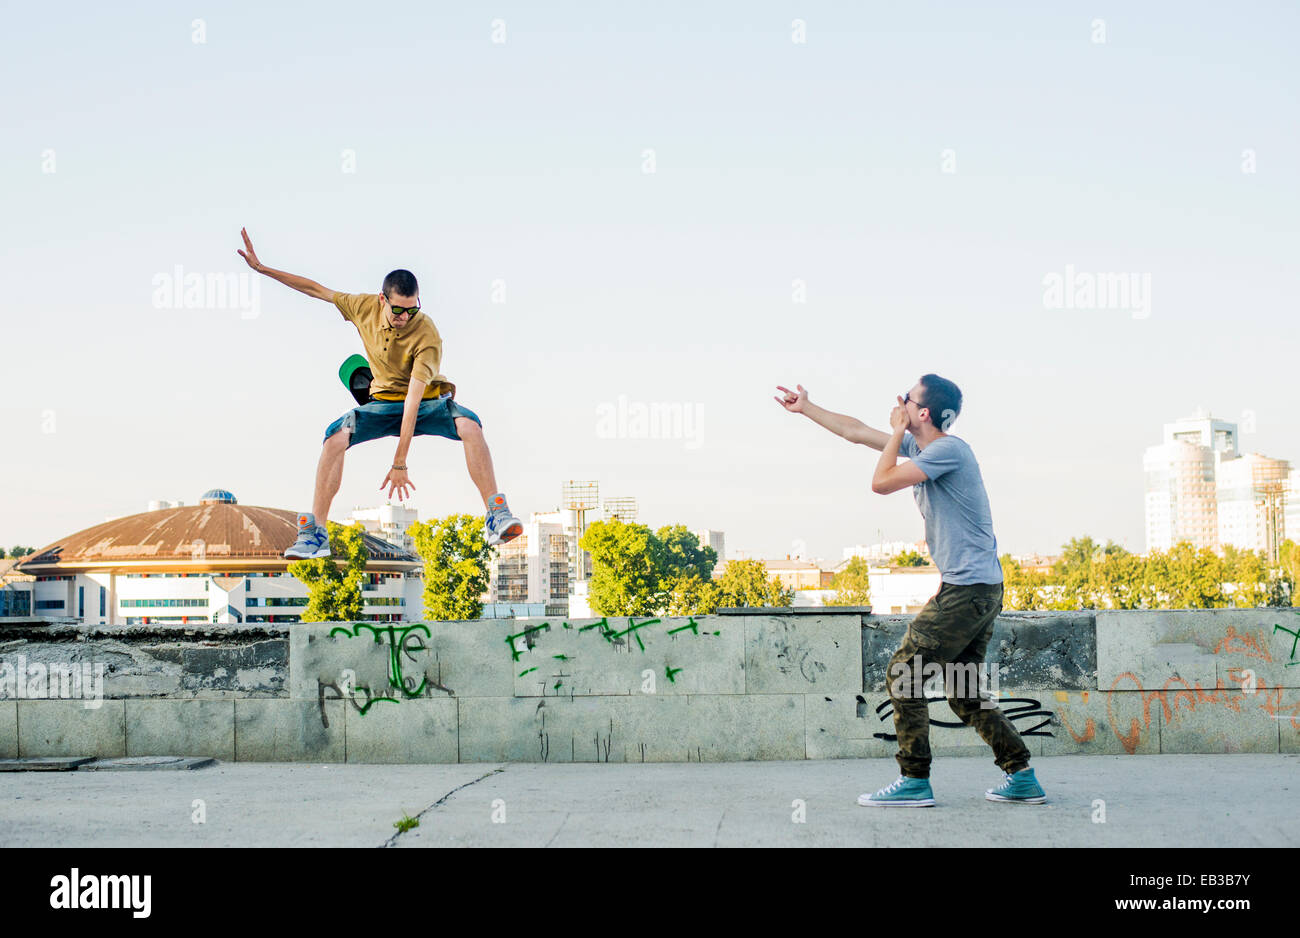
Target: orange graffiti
x: 1174, y: 699
x: 1089, y: 729
x: 1252, y: 646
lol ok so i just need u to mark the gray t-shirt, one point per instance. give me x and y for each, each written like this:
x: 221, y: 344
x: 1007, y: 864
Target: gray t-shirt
x: 958, y: 523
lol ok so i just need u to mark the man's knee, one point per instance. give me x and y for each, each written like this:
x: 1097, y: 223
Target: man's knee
x: 468, y: 429
x: 337, y: 442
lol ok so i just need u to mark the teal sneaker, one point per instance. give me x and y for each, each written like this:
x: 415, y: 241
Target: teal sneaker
x: 1021, y: 788
x: 904, y: 793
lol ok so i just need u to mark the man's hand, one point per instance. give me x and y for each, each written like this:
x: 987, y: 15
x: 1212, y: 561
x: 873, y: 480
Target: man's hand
x: 898, y: 418
x: 249, y: 255
x: 397, y: 481
x: 793, y: 402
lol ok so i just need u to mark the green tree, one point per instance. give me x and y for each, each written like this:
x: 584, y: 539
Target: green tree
x: 1288, y: 557
x: 852, y: 585
x: 17, y: 551
x: 1022, y: 589
x: 910, y: 558
x: 1247, y: 572
x: 626, y: 579
x: 456, y: 555
x: 693, y: 595
x: 1186, y: 578
x: 1119, y: 579
x: 334, y: 595
x: 746, y: 583
x: 678, y: 555
x: 2, y: 553
x: 1073, y: 573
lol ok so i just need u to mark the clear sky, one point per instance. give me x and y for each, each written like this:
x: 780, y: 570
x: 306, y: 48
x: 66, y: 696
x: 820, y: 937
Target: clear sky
x: 920, y: 168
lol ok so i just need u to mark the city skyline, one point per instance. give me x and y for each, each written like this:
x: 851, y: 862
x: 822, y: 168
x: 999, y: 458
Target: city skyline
x: 629, y: 228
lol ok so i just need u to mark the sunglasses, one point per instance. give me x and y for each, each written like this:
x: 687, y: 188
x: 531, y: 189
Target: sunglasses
x: 907, y: 398
x: 400, y: 310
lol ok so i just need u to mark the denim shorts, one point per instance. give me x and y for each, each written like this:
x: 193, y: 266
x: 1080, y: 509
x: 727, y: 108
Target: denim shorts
x: 375, y: 419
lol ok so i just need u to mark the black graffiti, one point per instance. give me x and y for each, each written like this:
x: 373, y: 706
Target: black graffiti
x: 1028, y: 709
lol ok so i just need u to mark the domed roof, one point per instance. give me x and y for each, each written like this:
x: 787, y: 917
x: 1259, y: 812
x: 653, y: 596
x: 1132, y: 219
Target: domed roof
x: 217, y: 495
x: 215, y: 535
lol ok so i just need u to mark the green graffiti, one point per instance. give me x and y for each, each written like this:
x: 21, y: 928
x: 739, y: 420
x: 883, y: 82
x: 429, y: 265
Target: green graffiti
x: 510, y: 639
x: 1295, y: 636
x: 561, y: 657
x: 558, y: 685
x: 671, y: 672
x: 693, y: 626
x: 529, y: 671
x: 631, y: 630
x: 399, y: 637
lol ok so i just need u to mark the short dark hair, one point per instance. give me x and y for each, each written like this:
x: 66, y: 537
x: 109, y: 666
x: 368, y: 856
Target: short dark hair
x: 942, y: 399
x: 401, y: 282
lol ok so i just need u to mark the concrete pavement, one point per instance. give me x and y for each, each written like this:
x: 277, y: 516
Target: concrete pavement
x: 1239, y: 800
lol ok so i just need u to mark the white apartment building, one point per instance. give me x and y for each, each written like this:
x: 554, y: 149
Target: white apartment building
x: 388, y: 522
x: 533, y: 568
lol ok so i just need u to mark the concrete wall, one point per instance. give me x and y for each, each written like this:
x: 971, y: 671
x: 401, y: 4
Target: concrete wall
x: 714, y: 688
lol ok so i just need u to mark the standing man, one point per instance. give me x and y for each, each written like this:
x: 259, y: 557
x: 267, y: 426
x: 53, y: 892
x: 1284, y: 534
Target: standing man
x: 955, y: 626
x: 408, y: 397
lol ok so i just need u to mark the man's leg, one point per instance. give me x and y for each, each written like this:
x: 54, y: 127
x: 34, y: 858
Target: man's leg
x: 477, y: 458
x: 329, y: 473
x: 911, y: 713
x: 1009, y: 750
x: 500, y: 525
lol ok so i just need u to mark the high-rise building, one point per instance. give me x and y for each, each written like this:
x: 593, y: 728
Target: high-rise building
x: 1181, y: 501
x: 1252, y: 495
x: 533, y: 568
x: 718, y: 541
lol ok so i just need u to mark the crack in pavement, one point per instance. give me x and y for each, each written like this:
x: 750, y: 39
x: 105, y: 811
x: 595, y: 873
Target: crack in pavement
x: 441, y: 801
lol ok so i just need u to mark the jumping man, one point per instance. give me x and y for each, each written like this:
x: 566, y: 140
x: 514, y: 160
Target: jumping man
x: 408, y: 397
x: 955, y: 626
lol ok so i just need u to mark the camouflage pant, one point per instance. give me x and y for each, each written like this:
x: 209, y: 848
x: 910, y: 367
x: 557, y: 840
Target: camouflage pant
x: 954, y: 627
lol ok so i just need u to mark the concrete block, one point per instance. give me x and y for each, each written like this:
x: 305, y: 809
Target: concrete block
x: 403, y: 731
x: 1288, y: 718
x: 731, y: 728
x: 282, y: 730
x: 1222, y: 720
x: 398, y: 659
x: 706, y: 728
x: 258, y: 669
x: 802, y: 655
x: 8, y: 729
x: 844, y: 726
x: 68, y: 728
x: 611, y: 656
x: 1102, y: 723
x: 181, y: 728
x: 1033, y: 650
x: 1197, y: 646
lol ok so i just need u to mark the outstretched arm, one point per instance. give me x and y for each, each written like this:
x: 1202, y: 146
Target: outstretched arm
x: 851, y: 428
x: 301, y: 284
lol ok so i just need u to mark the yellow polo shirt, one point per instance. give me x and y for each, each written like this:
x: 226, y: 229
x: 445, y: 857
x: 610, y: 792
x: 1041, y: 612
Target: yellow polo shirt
x: 396, y: 355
